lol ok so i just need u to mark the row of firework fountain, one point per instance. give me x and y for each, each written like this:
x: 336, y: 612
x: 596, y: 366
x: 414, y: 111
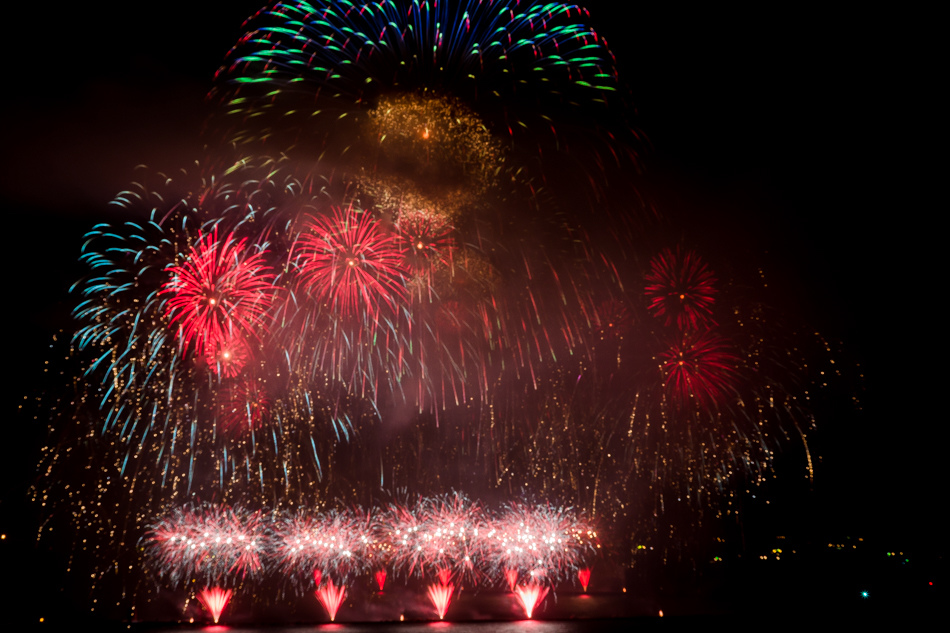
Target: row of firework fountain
x: 445, y: 541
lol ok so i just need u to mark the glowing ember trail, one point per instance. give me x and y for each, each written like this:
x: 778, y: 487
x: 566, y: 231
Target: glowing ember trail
x: 214, y: 600
x: 441, y: 597
x: 584, y: 576
x: 380, y: 577
x: 511, y: 575
x: 530, y: 597
x: 331, y: 597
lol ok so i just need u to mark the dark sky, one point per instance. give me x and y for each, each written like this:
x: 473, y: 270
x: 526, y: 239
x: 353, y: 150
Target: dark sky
x: 782, y: 132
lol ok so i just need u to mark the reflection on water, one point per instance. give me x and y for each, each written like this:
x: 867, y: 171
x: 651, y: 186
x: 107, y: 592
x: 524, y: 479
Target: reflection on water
x: 523, y: 626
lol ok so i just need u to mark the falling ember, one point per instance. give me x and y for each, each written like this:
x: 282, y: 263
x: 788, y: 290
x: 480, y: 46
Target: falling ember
x: 331, y: 597
x: 511, y: 575
x: 530, y: 597
x: 380, y: 578
x: 584, y: 576
x: 441, y: 595
x: 317, y: 578
x: 214, y: 600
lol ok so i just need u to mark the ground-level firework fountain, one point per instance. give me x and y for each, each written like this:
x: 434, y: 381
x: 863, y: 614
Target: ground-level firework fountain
x: 331, y: 597
x: 441, y: 596
x: 530, y: 596
x: 584, y: 576
x: 214, y: 600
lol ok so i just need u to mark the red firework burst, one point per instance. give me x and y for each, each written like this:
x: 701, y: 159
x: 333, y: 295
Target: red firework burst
x: 220, y: 293
x: 425, y: 240
x: 700, y: 368
x: 227, y: 356
x: 349, y: 262
x: 681, y: 289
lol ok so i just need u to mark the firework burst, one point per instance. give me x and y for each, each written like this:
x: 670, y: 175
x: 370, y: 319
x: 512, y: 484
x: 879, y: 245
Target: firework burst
x: 219, y: 294
x: 681, y: 290
x: 700, y: 368
x: 210, y: 542
x: 350, y: 263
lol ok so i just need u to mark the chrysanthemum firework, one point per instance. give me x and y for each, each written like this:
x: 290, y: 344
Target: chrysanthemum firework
x: 348, y: 262
x: 220, y: 294
x: 700, y: 368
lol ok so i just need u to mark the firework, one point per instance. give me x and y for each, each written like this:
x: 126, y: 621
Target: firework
x: 681, y: 290
x: 338, y: 545
x: 215, y: 600
x: 701, y: 368
x: 542, y: 541
x: 583, y: 575
x: 301, y: 65
x: 439, y: 309
x: 530, y: 596
x: 214, y: 543
x: 331, y: 597
x: 440, y: 594
x: 219, y: 295
x: 348, y: 262
x: 441, y: 536
x: 427, y: 244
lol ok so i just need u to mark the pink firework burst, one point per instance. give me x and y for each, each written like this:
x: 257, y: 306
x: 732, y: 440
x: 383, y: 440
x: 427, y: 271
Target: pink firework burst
x: 440, y: 534
x: 538, y: 541
x: 700, y: 368
x: 338, y: 544
x: 214, y: 600
x: 222, y: 291
x: 348, y: 261
x: 210, y: 542
x: 681, y: 289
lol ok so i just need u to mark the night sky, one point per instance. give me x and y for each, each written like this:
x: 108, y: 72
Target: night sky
x: 779, y: 136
